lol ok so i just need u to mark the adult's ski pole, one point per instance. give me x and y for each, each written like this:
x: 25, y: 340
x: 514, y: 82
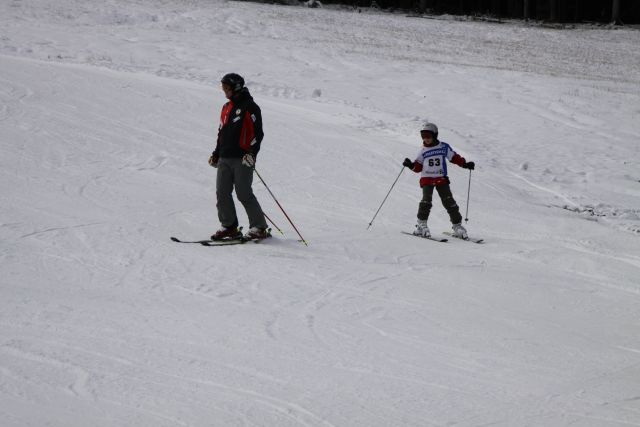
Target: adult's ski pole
x: 273, y: 223
x: 385, y: 198
x: 466, y: 215
x: 280, y: 206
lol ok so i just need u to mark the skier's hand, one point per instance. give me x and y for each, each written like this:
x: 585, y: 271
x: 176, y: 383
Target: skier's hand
x: 249, y: 160
x: 407, y: 163
x: 213, y: 160
x: 469, y: 165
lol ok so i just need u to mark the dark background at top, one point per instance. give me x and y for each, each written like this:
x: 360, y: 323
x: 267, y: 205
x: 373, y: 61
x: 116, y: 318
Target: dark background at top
x: 546, y: 10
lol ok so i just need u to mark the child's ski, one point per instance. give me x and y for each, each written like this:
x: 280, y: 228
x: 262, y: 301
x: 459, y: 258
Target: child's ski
x: 435, y: 239
x: 468, y: 239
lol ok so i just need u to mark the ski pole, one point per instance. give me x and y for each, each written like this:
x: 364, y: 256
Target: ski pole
x: 385, y: 198
x: 273, y: 223
x: 280, y: 206
x: 466, y: 215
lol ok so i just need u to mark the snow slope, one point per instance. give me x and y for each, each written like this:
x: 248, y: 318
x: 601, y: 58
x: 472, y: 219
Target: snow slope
x: 107, y: 117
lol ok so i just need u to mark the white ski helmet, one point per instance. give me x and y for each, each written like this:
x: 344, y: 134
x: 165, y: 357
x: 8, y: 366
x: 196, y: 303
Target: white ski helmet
x: 430, y: 127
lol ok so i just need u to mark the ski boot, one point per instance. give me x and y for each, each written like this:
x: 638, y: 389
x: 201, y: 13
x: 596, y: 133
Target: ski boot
x: 227, y: 233
x: 257, y: 233
x: 460, y: 232
x: 421, y: 229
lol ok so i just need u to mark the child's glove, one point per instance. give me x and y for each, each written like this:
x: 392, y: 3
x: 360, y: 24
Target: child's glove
x: 407, y: 163
x: 249, y: 160
x: 469, y: 165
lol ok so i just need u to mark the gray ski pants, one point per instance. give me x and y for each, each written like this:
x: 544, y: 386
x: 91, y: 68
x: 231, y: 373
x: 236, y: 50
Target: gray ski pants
x: 232, y: 173
x: 449, y: 203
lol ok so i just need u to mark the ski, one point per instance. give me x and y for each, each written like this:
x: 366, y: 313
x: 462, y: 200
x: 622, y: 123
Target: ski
x: 224, y: 242
x: 209, y: 242
x: 229, y: 242
x: 468, y: 239
x: 435, y: 239
x: 175, y: 239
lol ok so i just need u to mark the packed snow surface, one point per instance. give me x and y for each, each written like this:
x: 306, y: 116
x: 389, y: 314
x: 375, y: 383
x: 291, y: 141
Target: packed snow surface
x: 108, y: 114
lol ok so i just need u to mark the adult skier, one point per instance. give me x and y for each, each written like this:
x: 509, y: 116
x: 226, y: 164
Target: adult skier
x: 431, y: 163
x: 239, y: 137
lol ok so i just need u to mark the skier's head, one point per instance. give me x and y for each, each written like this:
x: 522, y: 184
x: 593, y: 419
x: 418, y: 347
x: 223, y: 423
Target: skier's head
x: 232, y: 83
x: 429, y: 133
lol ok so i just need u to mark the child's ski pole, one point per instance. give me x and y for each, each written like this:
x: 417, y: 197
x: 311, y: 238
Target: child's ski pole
x: 466, y: 215
x: 385, y: 198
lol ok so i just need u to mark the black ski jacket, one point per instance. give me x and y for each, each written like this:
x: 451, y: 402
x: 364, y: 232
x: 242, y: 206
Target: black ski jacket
x: 240, y: 130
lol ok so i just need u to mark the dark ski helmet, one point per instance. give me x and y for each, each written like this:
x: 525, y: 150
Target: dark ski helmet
x: 429, y: 127
x: 234, y: 80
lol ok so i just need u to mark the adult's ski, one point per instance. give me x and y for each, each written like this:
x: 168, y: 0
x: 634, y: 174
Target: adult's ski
x: 175, y: 239
x: 209, y: 242
x: 435, y: 239
x: 229, y: 242
x: 468, y: 239
x: 225, y: 242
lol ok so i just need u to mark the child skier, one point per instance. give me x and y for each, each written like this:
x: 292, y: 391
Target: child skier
x: 431, y: 163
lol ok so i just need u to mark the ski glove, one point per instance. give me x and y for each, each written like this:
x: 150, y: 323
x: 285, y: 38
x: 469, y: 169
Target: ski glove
x: 249, y: 160
x: 407, y: 163
x: 213, y: 160
x: 469, y: 165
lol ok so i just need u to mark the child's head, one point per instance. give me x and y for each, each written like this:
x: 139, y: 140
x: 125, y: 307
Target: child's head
x: 429, y: 133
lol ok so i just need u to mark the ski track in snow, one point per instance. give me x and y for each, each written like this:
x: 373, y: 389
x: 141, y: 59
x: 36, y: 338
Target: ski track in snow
x: 108, y: 113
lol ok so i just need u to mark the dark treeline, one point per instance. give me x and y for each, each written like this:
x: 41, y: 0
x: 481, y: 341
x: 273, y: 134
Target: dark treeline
x: 604, y: 11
